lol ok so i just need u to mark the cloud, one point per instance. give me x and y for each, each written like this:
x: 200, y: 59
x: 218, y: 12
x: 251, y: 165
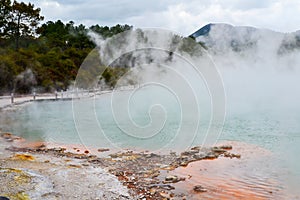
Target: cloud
x: 245, y: 4
x: 178, y: 15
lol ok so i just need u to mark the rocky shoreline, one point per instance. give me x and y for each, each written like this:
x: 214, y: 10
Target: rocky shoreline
x: 141, y: 175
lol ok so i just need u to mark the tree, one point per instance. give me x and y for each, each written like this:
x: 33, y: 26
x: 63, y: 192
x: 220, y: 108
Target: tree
x: 23, y: 20
x: 106, y: 32
x: 5, y: 10
x: 55, y: 33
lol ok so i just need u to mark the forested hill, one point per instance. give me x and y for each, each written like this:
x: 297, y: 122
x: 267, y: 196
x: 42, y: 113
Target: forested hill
x: 44, y: 56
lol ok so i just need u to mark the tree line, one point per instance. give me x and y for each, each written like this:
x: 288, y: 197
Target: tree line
x: 45, y: 56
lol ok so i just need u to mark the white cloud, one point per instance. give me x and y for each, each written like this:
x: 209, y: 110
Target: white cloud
x: 178, y: 15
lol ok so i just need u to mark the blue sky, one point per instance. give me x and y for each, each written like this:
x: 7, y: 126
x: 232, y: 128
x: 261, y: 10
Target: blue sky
x: 177, y: 15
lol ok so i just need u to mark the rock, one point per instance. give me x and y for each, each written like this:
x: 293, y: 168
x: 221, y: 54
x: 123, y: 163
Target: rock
x: 163, y: 186
x: 151, y: 155
x: 183, y: 157
x: 231, y: 155
x: 199, y: 188
x: 198, y: 157
x: 42, y: 149
x: 119, y: 173
x: 196, y: 148
x: 218, y: 150
x: 114, y: 155
x: 23, y: 157
x: 14, y: 138
x: 185, y: 153
x: 173, y: 179
x: 165, y: 195
x: 211, y: 156
x: 16, y: 149
x: 190, y: 152
x: 183, y: 164
x: 102, y: 150
x: 237, y: 155
x: 194, y: 151
x: 152, y: 191
x: 169, y: 167
x: 226, y: 147
x: 74, y: 166
x: 132, y: 157
x: 6, y: 135
x: 150, y: 174
x: 59, y: 149
x: 163, y: 166
x: 9, y: 137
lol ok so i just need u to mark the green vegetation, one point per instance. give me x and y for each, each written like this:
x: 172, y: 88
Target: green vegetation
x: 48, y: 56
x: 44, y: 56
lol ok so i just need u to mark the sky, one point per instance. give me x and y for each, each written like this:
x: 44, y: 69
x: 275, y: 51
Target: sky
x: 181, y: 16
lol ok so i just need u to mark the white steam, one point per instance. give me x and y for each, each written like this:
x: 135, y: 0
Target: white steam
x: 178, y: 96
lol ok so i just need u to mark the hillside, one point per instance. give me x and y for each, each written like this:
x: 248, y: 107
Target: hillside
x: 222, y: 37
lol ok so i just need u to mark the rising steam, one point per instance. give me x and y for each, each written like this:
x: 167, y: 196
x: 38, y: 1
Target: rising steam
x: 173, y: 91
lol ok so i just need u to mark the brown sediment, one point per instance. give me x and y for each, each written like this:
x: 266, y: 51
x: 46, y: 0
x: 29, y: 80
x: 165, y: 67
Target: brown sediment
x: 22, y: 157
x: 9, y: 137
x: 79, y: 148
x: 217, y: 173
x: 30, y: 145
x: 103, y: 150
x: 218, y: 185
x: 138, y: 171
x: 225, y: 178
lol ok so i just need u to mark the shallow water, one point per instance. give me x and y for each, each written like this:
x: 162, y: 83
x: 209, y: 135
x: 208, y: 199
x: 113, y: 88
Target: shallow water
x: 250, y: 177
x: 276, y: 175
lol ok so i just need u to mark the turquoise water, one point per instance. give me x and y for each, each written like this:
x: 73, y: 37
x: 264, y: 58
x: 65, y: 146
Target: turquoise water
x: 53, y: 121
x: 152, y: 123
x: 95, y: 125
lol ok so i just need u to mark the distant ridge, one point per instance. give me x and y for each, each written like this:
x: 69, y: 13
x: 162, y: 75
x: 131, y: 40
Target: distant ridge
x: 220, y: 37
x: 204, y: 31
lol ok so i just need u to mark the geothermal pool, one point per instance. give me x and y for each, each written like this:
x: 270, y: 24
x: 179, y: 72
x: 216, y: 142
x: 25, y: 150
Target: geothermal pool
x: 273, y: 130
x: 262, y: 109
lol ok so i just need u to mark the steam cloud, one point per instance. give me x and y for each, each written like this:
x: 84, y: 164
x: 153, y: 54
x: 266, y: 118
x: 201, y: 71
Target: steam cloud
x: 176, y: 77
x: 175, y: 82
x: 25, y: 81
